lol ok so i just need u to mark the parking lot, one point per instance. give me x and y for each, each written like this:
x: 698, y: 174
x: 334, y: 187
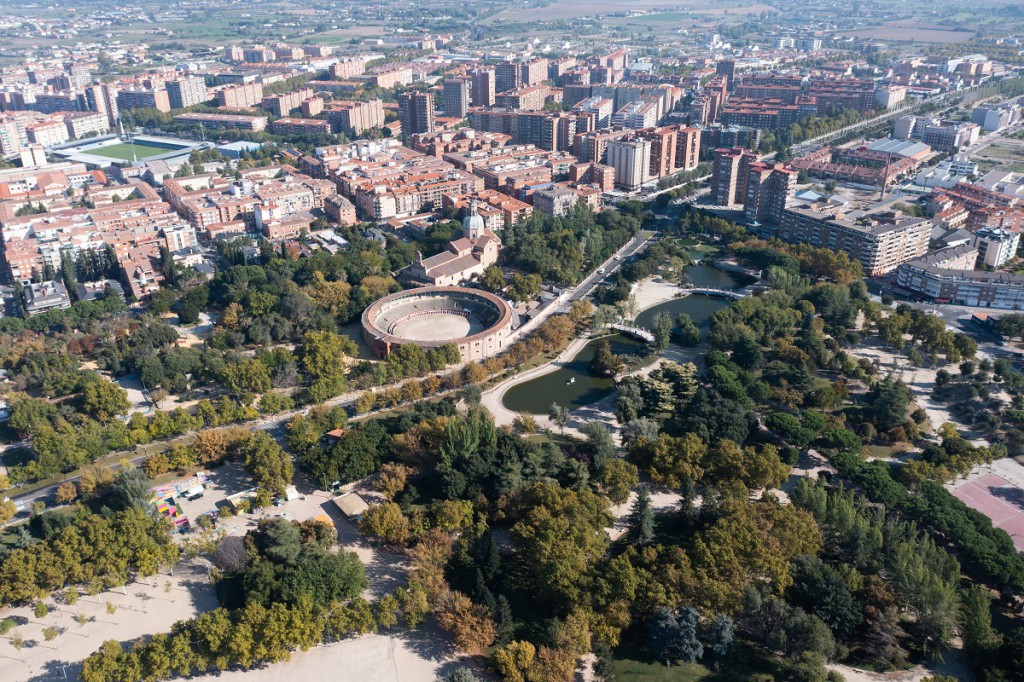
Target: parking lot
x: 385, y: 570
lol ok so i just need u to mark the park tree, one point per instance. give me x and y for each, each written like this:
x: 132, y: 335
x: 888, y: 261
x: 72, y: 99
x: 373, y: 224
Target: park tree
x: 889, y: 400
x: 66, y: 493
x: 720, y: 636
x: 642, y: 517
x: 662, y: 328
x: 562, y: 531
x: 559, y: 415
x: 599, y: 441
x: 1011, y: 325
x: 605, y: 363
x: 617, y: 478
x: 8, y: 510
x: 414, y: 604
x: 469, y: 623
x: 264, y: 460
x: 674, y: 638
x: 131, y: 490
x: 321, y: 356
x: 673, y: 460
x: 980, y: 638
x: 105, y: 400
x: 385, y: 522
x: 245, y: 376
x: 525, y: 423
x: 524, y: 287
x: 392, y: 479
x: 686, y: 333
x: 493, y: 279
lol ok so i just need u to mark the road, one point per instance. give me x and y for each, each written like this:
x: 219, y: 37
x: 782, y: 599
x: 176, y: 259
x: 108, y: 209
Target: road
x: 275, y: 424
x: 809, y: 145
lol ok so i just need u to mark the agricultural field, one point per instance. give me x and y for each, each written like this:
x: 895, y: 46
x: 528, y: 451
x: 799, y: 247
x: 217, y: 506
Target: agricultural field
x: 555, y: 12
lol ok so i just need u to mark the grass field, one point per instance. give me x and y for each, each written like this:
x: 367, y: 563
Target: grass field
x: 743, y: 661
x: 123, y: 151
x: 627, y: 669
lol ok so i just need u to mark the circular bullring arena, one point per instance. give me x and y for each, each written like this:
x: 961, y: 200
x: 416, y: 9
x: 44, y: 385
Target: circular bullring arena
x: 478, y: 322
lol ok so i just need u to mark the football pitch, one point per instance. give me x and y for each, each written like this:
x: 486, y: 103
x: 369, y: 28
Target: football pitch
x: 123, y: 151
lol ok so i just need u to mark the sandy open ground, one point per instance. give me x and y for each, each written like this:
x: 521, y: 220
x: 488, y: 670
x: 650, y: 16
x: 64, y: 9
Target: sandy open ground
x: 145, y: 609
x: 920, y: 380
x: 435, y: 327
x: 403, y: 656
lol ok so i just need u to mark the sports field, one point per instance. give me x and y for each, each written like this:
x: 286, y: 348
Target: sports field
x: 998, y: 499
x: 123, y: 151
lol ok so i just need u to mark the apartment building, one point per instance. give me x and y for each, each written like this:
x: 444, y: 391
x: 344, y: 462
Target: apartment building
x: 484, y: 87
x: 941, y: 135
x: 416, y: 112
x: 663, y: 150
x: 498, y: 209
x: 82, y: 123
x: 240, y: 96
x: 534, y: 71
x: 186, y: 92
x: 391, y: 77
x: 508, y: 76
x: 631, y: 159
x: 600, y: 108
x: 769, y: 189
x: 996, y: 246
x: 766, y: 114
x: 555, y: 201
x: 226, y: 121
x: 12, y: 137
x: 729, y: 175
x: 687, y: 148
x: 454, y: 141
x: 301, y: 126
x: 944, y: 282
x: 143, y: 98
x: 47, y: 133
x: 525, y: 98
x: 592, y: 146
x: 456, y: 97
x: 347, y: 68
x: 637, y: 114
x: 880, y: 241
x: 282, y: 105
x: 386, y: 180
x: 353, y: 118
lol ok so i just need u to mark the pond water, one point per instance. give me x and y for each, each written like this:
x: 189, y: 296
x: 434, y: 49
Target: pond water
x: 535, y: 396
x: 713, y: 278
x: 699, y: 307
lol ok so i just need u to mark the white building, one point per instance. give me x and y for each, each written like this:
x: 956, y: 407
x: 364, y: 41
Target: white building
x: 631, y: 159
x: 995, y: 245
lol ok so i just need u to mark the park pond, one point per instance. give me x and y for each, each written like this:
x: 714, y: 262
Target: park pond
x: 572, y: 385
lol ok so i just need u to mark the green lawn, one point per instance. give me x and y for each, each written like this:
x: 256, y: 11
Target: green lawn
x: 123, y: 151
x: 632, y: 664
x: 627, y: 670
x: 877, y: 451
